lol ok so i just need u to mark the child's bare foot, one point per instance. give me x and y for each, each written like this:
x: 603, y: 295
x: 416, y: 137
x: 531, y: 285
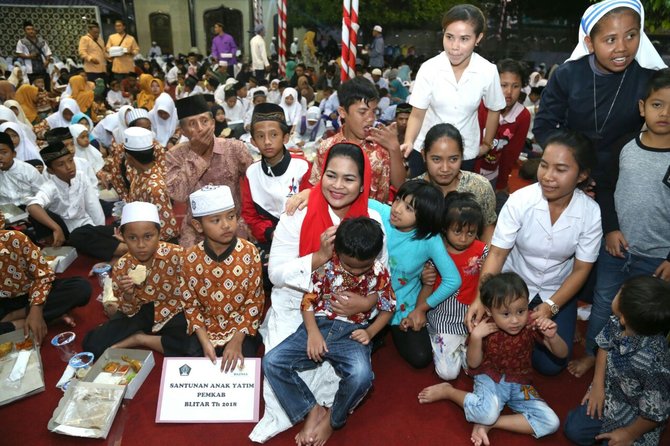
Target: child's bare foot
x: 68, y: 320
x: 582, y: 365
x: 479, y: 435
x: 435, y: 393
x: 323, y: 430
x: 15, y: 315
x: 306, y: 436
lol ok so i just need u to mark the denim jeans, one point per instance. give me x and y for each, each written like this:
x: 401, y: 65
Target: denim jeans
x: 612, y: 272
x: 349, y: 358
x: 543, y: 360
x: 484, y: 404
x: 581, y: 428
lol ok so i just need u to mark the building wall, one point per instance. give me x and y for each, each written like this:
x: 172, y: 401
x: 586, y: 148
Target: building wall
x: 178, y: 10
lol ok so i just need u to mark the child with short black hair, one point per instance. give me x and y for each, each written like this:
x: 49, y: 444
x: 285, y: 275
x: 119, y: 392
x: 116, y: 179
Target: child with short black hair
x: 147, y: 282
x: 627, y: 402
x: 634, y: 200
x: 223, y: 293
x: 499, y: 357
x: 358, y: 100
x: 463, y: 224
x: 270, y: 181
x: 324, y: 335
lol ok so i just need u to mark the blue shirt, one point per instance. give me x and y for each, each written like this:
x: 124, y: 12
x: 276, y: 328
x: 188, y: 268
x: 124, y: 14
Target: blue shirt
x: 407, y: 257
x: 637, y: 380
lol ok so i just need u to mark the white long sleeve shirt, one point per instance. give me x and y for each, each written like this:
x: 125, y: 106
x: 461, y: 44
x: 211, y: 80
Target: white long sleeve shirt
x: 259, y: 57
x: 19, y: 183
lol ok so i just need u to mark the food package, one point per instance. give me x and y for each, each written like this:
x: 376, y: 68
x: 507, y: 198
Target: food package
x: 138, y: 275
x: 108, y: 291
x: 21, y: 372
x: 87, y: 410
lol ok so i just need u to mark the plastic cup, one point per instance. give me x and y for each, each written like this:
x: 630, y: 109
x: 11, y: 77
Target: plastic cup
x: 81, y: 363
x: 64, y: 342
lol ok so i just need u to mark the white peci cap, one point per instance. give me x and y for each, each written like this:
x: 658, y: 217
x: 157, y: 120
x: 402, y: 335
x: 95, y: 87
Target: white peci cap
x: 377, y: 28
x: 210, y: 200
x: 376, y: 72
x: 139, y: 211
x: 136, y: 139
x: 135, y: 114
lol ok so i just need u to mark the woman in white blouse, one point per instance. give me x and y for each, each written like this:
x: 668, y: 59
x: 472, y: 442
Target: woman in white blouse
x: 450, y: 86
x: 301, y: 243
x: 549, y: 233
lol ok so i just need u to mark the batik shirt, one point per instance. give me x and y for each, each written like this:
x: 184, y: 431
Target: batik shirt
x: 380, y: 165
x: 224, y: 293
x: 509, y: 356
x: 162, y: 286
x: 332, y: 279
x: 23, y: 270
x: 120, y: 174
x: 150, y: 187
x: 637, y: 380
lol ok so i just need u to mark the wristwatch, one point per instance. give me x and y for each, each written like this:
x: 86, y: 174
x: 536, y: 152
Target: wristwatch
x: 554, y: 308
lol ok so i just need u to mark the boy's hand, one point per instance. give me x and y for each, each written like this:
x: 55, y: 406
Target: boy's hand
x: 615, y: 244
x: 316, y: 347
x: 618, y: 437
x: 232, y: 354
x: 127, y: 288
x: 405, y: 324
x: 209, y: 351
x: 361, y: 336
x: 385, y: 135
x: 595, y: 398
x: 546, y: 326
x: 417, y: 319
x: 483, y: 329
x: 429, y: 274
x: 663, y: 271
x: 35, y: 323
x: 59, y: 237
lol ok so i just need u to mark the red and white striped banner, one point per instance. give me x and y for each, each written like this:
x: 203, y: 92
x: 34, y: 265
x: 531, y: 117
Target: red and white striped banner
x: 349, y: 39
x: 281, y: 8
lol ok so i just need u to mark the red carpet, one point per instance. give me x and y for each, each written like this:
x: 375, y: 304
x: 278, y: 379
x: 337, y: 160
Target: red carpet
x: 390, y: 415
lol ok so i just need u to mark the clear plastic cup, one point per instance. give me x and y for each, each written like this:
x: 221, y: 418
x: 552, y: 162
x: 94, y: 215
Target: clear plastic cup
x: 81, y: 363
x: 64, y: 342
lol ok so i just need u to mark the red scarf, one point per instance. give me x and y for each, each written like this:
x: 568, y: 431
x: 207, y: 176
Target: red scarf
x: 317, y: 219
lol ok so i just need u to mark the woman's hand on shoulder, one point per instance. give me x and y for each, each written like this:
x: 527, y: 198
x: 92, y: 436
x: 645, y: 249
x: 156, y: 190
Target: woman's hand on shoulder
x: 297, y: 202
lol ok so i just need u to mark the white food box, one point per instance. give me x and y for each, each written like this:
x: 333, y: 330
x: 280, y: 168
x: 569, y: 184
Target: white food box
x: 12, y: 213
x: 98, y: 402
x: 97, y: 375
x: 65, y: 255
x: 32, y: 381
x: 116, y: 51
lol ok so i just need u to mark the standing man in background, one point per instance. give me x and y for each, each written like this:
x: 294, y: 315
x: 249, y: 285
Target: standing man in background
x: 35, y: 53
x: 259, y: 56
x: 376, y: 49
x: 92, y: 53
x: 224, y: 48
x: 122, y: 64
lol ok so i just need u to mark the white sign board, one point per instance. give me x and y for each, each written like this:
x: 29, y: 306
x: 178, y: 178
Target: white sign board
x: 193, y: 390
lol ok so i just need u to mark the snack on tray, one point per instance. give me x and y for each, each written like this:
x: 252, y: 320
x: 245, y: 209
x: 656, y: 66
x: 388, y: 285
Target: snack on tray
x: 49, y: 258
x: 138, y: 275
x: 111, y: 367
x: 134, y: 363
x: 122, y: 370
x: 25, y: 345
x: 5, y: 349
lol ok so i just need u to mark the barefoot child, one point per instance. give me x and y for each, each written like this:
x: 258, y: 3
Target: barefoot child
x: 463, y: 223
x: 324, y: 335
x: 499, y: 357
x: 147, y: 281
x: 627, y: 402
x: 223, y: 286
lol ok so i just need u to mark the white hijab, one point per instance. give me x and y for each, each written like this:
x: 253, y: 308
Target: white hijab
x: 164, y: 128
x: 26, y: 150
x: 56, y: 120
x: 104, y: 129
x: 7, y: 114
x: 89, y: 153
x: 293, y: 112
x: 122, y: 124
x: 22, y: 116
x: 646, y: 56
